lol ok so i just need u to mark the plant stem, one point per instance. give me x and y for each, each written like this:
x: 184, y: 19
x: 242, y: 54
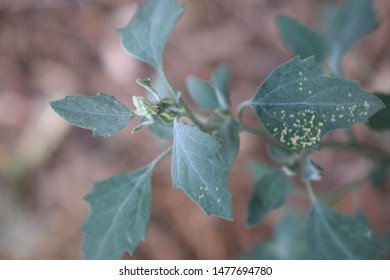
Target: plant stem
x: 160, y: 157
x: 310, y: 191
x: 190, y: 114
x: 241, y: 108
x: 174, y: 95
x: 172, y: 90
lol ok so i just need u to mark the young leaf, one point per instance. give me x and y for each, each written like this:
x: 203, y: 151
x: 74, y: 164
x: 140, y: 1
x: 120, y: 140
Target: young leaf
x: 347, y: 25
x: 301, y: 40
x: 120, y: 210
x: 147, y: 32
x: 270, y: 192
x: 311, y: 170
x: 381, y: 120
x: 147, y: 84
x: 103, y: 114
x: 228, y: 135
x: 220, y: 82
x: 298, y: 105
x: 199, y: 171
x: 333, y: 235
x: 202, y: 93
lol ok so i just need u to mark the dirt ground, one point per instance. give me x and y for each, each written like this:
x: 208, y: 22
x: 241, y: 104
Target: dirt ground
x: 49, y: 49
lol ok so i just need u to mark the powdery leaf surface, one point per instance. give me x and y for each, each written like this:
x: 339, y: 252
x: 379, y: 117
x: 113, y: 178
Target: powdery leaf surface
x: 333, y: 235
x: 120, y: 211
x: 199, y: 171
x: 298, y: 105
x: 103, y: 114
x: 147, y: 32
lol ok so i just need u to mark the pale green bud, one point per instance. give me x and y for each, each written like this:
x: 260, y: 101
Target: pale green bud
x: 144, y: 107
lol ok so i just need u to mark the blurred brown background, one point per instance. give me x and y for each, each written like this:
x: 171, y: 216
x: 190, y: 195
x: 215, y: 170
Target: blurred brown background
x: 52, y: 48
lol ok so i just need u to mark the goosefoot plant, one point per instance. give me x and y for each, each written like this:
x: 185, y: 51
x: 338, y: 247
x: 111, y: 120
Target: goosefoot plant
x: 297, y: 105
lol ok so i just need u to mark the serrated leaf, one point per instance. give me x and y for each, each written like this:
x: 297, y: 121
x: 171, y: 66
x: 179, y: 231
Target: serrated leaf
x: 289, y: 240
x: 298, y: 105
x: 333, y: 235
x: 311, y: 170
x: 270, y: 192
x: 220, y: 82
x: 202, y: 93
x: 103, y: 114
x: 381, y: 120
x: 228, y: 135
x: 346, y: 25
x: 147, y: 32
x: 199, y: 171
x: 301, y: 40
x: 120, y: 210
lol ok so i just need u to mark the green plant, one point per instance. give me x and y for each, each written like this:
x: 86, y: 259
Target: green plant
x: 297, y: 106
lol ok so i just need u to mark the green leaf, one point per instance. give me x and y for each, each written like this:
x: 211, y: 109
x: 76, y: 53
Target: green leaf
x: 381, y: 120
x: 270, y: 192
x: 202, y: 93
x: 258, y: 170
x: 120, y: 210
x: 220, y: 82
x: 347, y: 25
x: 379, y: 174
x: 145, y: 122
x: 103, y: 114
x: 289, y: 240
x: 199, y: 171
x: 161, y: 130
x: 298, y: 105
x: 228, y: 135
x: 147, y: 32
x: 160, y: 86
x: 311, y: 170
x: 384, y: 243
x: 301, y: 40
x: 147, y: 84
x: 333, y: 235
x: 281, y: 155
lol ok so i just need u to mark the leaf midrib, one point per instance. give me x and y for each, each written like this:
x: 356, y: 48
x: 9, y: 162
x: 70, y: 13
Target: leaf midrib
x: 119, y: 210
x: 334, y: 237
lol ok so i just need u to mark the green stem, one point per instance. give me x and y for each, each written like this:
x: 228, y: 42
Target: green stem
x: 310, y: 191
x: 172, y: 90
x: 241, y: 108
x: 190, y: 114
x: 160, y: 157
